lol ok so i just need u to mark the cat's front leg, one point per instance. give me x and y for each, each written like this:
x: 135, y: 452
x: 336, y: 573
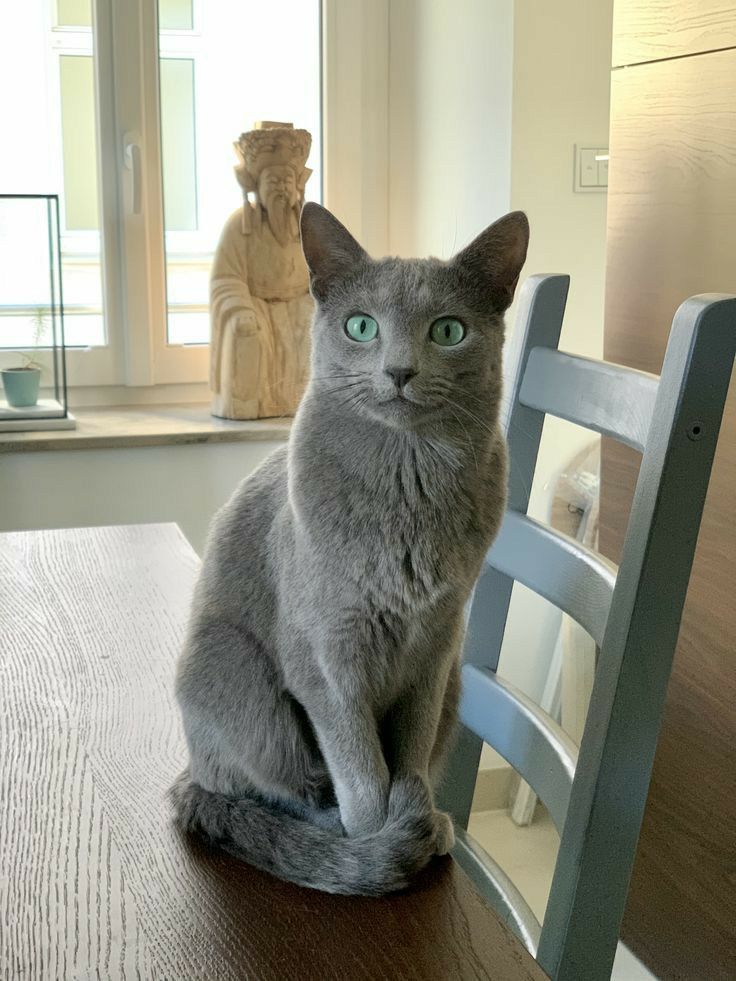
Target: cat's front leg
x: 348, y: 737
x: 413, y: 731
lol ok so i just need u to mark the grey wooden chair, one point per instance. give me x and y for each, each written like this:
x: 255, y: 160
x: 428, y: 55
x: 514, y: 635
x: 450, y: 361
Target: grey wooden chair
x: 595, y: 795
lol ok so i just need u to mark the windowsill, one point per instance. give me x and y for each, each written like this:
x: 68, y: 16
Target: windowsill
x: 154, y: 425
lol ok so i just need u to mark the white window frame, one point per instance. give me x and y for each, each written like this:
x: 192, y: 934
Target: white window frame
x: 101, y: 364
x: 138, y: 364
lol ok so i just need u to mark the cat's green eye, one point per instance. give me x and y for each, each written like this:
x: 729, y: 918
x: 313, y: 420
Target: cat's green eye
x: 361, y: 327
x: 447, y: 332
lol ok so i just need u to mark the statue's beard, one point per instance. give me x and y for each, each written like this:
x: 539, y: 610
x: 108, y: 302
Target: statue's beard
x: 280, y: 218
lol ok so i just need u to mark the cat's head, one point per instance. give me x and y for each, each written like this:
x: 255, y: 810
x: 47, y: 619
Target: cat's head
x: 408, y: 341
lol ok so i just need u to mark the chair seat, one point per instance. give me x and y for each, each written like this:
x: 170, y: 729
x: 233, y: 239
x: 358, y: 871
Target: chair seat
x: 496, y: 887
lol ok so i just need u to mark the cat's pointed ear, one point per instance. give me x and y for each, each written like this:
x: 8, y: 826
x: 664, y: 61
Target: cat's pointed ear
x: 497, y: 255
x: 329, y: 248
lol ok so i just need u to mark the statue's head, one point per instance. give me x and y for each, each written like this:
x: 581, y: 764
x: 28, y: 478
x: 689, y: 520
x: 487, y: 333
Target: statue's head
x: 278, y: 182
x: 273, y: 168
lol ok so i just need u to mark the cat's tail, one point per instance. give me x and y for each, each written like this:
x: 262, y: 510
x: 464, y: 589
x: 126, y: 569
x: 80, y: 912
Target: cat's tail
x: 301, y: 852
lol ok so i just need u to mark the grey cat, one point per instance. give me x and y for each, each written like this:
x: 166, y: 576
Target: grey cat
x: 319, y: 682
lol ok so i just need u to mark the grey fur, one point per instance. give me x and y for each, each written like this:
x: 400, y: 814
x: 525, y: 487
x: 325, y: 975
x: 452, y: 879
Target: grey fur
x: 319, y: 681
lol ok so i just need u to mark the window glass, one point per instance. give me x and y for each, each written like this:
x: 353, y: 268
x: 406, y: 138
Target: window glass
x: 178, y: 150
x: 74, y: 13
x: 49, y: 115
x: 239, y: 63
x: 175, y: 15
x: 79, y: 138
x: 25, y: 277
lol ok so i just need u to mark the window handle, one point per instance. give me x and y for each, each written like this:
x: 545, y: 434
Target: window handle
x: 132, y: 163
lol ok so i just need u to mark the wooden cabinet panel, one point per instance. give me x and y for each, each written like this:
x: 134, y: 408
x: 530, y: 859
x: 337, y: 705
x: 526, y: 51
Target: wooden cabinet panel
x: 671, y: 196
x: 672, y: 233
x: 670, y: 28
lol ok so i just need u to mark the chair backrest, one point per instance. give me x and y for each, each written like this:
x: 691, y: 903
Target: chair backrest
x: 596, y: 796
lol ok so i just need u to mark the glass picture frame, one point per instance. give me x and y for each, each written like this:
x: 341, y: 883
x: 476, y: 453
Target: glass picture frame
x: 33, y: 393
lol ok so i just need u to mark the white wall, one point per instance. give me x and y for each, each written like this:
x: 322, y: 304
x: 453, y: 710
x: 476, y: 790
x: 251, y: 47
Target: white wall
x: 562, y: 59
x: 449, y: 121
x: 561, y: 78
x: 356, y: 35
x: 83, y: 488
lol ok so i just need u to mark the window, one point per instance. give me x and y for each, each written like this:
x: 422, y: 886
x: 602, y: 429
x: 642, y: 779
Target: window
x: 49, y: 57
x: 128, y: 110
x: 216, y: 79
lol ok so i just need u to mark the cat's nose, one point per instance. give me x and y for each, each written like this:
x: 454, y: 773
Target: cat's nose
x: 400, y: 375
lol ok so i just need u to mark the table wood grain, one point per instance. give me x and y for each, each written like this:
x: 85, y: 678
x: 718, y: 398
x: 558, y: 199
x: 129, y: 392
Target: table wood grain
x: 94, y: 880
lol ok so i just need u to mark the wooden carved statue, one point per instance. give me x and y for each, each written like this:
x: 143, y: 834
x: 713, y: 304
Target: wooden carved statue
x: 260, y: 307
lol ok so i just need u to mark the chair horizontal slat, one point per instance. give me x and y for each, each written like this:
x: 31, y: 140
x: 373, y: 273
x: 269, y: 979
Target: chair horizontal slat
x: 577, y: 580
x: 606, y: 398
x: 526, y: 736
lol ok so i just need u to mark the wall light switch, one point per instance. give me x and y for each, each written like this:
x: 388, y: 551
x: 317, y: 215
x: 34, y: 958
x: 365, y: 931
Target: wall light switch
x: 591, y: 168
x: 588, y: 168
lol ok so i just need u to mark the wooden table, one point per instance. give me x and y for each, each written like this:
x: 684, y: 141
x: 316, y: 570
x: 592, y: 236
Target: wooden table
x: 94, y: 881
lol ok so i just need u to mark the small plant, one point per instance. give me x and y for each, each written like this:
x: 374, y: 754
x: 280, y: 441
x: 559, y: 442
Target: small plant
x: 40, y: 322
x: 28, y: 362
x: 22, y: 384
x: 39, y: 319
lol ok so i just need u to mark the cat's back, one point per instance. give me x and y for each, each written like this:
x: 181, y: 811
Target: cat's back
x: 236, y: 569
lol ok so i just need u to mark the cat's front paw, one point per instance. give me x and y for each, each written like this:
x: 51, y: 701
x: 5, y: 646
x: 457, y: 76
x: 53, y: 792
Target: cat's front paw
x: 409, y: 794
x: 363, y: 813
x: 444, y: 833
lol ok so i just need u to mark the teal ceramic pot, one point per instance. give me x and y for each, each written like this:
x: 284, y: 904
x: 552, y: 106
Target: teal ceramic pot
x: 21, y: 386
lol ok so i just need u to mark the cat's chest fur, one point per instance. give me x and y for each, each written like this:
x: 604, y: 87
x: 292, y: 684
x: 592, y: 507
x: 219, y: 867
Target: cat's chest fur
x: 397, y: 520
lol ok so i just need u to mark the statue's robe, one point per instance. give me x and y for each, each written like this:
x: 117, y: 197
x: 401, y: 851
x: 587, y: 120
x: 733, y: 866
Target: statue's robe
x: 260, y: 312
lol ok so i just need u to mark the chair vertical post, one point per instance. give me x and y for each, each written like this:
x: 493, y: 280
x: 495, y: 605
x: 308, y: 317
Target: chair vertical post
x: 609, y: 793
x: 541, y: 310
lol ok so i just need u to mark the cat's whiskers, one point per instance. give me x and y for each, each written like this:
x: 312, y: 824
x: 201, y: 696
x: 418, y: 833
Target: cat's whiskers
x: 346, y: 374
x: 471, y: 415
x: 504, y: 403
x: 440, y: 451
x: 449, y: 403
x: 478, y: 422
x: 352, y: 397
x: 342, y: 388
x: 359, y: 402
x: 464, y: 429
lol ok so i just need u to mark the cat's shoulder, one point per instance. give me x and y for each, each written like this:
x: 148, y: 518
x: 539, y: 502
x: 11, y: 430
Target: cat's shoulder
x: 267, y: 483
x: 256, y: 498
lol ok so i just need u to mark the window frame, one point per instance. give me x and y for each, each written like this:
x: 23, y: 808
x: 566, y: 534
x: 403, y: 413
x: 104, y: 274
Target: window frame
x: 99, y: 364
x: 138, y: 364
